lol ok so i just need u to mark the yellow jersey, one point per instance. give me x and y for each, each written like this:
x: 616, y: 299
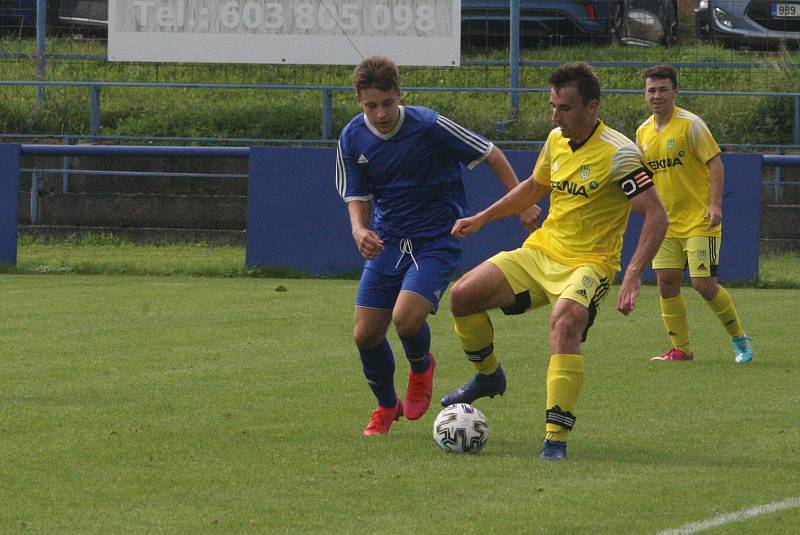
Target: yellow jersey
x: 678, y: 156
x: 589, y: 203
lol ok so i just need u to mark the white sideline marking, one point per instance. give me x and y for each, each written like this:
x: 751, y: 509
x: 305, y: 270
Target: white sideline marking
x: 736, y: 516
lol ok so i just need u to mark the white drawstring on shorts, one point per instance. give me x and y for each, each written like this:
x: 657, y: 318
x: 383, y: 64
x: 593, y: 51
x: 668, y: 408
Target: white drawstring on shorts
x: 406, y: 247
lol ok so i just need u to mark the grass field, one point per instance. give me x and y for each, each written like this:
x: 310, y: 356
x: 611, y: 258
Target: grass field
x: 234, y: 405
x: 101, y: 254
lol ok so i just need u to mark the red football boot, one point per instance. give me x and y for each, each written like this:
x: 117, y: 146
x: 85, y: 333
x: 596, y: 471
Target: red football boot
x: 418, y: 394
x: 382, y: 419
x: 675, y: 354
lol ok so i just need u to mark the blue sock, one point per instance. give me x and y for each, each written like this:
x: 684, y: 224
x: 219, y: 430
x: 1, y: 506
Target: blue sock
x: 417, y: 348
x: 378, y: 365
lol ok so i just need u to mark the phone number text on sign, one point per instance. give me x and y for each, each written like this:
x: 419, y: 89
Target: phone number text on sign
x: 290, y: 17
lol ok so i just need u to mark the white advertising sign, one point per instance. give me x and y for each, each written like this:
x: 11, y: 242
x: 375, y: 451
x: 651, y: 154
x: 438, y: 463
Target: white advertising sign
x: 334, y: 32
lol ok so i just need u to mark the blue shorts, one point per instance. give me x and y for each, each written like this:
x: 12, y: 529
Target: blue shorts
x: 424, y: 266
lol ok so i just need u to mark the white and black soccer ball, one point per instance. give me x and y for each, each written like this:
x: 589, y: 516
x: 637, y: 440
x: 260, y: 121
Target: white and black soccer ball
x: 461, y: 428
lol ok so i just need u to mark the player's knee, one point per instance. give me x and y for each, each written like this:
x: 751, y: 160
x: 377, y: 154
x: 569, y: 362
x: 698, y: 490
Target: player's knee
x: 706, y: 287
x: 366, y: 338
x: 566, y: 329
x: 407, y: 326
x: 459, y: 289
x: 669, y: 286
x: 458, y: 297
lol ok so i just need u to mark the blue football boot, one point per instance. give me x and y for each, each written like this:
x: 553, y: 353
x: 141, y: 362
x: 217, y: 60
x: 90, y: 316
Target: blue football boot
x: 553, y: 450
x: 480, y: 386
x: 742, y: 349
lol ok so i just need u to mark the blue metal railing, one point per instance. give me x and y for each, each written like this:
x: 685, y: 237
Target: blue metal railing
x: 122, y: 150
x: 495, y: 62
x: 134, y: 150
x: 326, y: 91
x: 68, y: 151
x: 778, y: 161
x: 36, y: 185
x: 777, y: 182
x: 514, y: 62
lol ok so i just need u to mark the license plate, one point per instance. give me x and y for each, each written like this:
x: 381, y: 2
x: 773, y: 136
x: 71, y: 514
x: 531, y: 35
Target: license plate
x: 786, y: 10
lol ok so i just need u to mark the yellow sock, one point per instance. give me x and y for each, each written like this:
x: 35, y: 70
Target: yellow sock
x: 676, y: 320
x: 476, y: 335
x: 564, y: 382
x: 723, y: 307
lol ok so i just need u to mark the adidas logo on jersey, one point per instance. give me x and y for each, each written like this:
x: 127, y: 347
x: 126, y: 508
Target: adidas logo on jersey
x: 362, y: 159
x: 582, y: 293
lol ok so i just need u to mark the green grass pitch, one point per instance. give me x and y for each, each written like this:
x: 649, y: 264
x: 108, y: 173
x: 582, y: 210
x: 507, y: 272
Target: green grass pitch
x: 212, y: 405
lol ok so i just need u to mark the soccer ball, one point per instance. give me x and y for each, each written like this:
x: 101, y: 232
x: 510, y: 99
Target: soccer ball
x: 461, y: 428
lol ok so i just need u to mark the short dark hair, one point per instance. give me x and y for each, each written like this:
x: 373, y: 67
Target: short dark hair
x: 376, y: 72
x: 662, y: 72
x: 579, y: 74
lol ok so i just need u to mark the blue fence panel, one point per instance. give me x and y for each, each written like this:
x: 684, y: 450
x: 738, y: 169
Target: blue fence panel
x: 297, y: 220
x: 9, y: 201
x: 295, y: 217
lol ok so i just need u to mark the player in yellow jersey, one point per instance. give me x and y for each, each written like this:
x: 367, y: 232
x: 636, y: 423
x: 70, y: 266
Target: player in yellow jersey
x: 594, y: 175
x: 689, y: 175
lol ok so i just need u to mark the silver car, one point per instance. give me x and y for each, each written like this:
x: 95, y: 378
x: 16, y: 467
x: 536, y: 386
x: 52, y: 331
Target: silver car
x: 749, y: 23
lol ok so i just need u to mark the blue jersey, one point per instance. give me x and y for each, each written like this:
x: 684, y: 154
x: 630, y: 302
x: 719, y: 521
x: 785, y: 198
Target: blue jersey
x: 412, y: 174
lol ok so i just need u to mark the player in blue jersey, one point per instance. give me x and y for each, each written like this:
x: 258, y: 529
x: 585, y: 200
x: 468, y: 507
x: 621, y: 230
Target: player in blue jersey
x: 398, y: 168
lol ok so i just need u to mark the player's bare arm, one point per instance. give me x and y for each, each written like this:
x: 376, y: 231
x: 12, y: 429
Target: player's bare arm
x: 654, y: 228
x: 716, y: 171
x: 499, y: 165
x: 522, y: 197
x: 368, y: 242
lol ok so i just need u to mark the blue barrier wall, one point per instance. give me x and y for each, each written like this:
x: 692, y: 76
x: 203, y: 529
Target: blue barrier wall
x: 297, y: 220
x: 9, y: 200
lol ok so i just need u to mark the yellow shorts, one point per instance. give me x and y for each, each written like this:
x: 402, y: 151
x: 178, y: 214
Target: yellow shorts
x: 538, y: 280
x: 700, y: 253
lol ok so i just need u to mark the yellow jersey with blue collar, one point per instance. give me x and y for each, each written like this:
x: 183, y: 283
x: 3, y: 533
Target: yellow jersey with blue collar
x: 678, y: 156
x: 589, y: 203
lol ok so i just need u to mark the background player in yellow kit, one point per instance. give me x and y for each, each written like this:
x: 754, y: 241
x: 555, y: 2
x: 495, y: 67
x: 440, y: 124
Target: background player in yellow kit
x: 689, y: 176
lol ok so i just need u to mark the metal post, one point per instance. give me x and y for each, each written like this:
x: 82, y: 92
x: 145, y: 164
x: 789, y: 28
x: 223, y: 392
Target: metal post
x: 41, y: 32
x: 68, y: 140
x: 778, y: 190
x: 797, y: 120
x: 514, y: 59
x: 327, y: 113
x: 34, y: 197
x: 94, y: 110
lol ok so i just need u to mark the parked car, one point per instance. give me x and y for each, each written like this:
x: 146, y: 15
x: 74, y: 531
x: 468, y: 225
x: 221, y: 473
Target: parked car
x: 553, y: 20
x: 646, y: 22
x: 70, y: 15
x: 486, y: 22
x: 749, y: 23
x: 16, y: 15
x: 86, y: 16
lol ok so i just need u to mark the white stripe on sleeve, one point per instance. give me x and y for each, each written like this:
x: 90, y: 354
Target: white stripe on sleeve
x: 466, y: 136
x: 341, y: 172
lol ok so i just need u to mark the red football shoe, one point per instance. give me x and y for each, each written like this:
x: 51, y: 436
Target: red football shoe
x: 418, y: 394
x: 675, y: 354
x: 382, y: 419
